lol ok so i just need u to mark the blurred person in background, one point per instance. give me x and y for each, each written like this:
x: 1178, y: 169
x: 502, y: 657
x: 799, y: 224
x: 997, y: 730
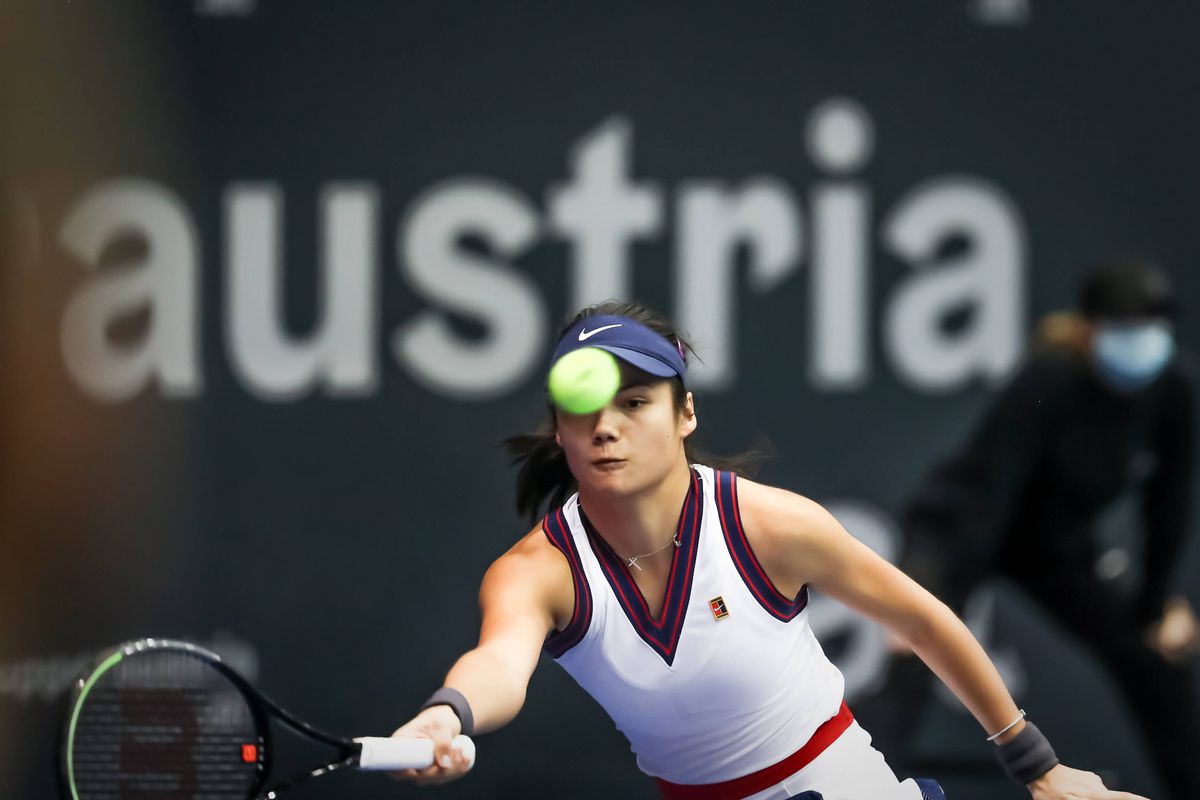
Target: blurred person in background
x: 1102, y: 412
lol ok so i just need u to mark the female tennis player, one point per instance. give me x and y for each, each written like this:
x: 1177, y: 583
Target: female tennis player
x: 676, y: 594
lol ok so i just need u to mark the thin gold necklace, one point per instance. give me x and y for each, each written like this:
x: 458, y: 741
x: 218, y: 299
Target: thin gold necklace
x: 632, y: 560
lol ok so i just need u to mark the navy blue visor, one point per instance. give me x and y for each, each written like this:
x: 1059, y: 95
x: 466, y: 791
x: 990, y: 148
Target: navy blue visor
x: 628, y: 340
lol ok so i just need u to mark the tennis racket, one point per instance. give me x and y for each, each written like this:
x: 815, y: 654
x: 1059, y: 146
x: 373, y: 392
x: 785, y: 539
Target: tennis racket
x: 164, y: 719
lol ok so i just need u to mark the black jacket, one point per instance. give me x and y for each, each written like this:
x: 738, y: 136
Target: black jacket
x: 1055, y: 449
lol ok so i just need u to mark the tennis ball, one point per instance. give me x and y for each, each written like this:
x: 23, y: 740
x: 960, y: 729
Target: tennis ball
x: 584, y: 380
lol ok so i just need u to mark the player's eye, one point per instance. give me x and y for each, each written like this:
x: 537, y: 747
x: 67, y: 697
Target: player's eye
x: 635, y: 402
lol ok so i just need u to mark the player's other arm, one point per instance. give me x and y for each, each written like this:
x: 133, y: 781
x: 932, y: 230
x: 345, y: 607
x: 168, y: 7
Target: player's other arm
x: 525, y: 594
x: 799, y: 542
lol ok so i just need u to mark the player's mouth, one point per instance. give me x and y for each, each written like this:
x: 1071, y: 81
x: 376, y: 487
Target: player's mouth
x: 607, y: 464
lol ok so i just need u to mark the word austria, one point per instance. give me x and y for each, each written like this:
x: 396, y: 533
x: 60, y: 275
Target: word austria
x: 455, y: 248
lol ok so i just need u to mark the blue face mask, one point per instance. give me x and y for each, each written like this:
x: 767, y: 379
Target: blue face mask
x: 1129, y: 356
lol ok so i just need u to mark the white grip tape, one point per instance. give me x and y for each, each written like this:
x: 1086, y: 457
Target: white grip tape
x: 390, y: 753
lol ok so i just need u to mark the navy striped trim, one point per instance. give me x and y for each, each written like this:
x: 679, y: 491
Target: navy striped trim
x: 775, y: 602
x: 559, y: 533
x: 661, y: 634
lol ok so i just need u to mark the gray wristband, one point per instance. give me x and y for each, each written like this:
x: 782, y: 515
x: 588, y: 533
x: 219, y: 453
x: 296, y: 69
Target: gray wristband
x: 1027, y: 756
x: 458, y: 704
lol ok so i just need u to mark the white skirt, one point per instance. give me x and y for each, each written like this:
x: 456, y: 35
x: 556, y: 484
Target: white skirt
x: 849, y: 769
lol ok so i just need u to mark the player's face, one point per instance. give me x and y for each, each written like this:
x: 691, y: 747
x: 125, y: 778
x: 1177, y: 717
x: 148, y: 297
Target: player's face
x: 632, y: 443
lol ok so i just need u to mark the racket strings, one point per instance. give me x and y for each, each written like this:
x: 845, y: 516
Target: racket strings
x: 166, y: 726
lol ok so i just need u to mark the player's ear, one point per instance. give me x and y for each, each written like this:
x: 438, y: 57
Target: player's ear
x: 557, y: 438
x: 689, y: 422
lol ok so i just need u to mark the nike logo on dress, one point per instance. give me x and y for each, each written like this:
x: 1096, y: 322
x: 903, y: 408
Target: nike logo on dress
x: 585, y: 333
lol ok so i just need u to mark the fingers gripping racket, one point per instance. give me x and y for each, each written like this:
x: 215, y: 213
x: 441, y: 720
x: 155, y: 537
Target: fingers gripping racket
x: 165, y: 719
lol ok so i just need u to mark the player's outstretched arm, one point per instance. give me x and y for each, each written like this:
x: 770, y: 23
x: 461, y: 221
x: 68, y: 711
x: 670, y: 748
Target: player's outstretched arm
x: 799, y: 543
x: 524, y: 595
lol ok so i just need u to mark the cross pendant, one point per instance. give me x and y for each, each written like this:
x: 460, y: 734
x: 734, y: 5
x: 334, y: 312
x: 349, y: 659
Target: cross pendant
x: 633, y: 563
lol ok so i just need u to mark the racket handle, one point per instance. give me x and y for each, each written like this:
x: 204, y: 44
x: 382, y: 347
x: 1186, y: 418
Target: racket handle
x: 392, y: 753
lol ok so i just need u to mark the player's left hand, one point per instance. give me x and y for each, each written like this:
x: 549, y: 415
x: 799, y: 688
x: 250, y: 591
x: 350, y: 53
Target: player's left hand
x: 1177, y: 635
x: 1064, y: 783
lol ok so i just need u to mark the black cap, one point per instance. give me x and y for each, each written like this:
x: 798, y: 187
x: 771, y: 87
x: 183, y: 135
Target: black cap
x: 1121, y: 290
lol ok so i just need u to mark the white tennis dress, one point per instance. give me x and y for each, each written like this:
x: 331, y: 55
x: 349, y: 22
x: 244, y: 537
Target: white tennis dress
x: 729, y: 682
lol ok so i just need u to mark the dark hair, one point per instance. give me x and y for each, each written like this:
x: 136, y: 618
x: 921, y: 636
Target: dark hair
x: 544, y: 473
x: 1124, y: 289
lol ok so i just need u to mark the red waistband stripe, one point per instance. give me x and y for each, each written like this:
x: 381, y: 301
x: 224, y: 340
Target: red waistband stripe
x: 767, y: 777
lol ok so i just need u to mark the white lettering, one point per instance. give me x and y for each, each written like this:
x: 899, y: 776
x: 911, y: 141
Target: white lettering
x: 503, y: 299
x: 600, y: 211
x: 841, y: 289
x: 341, y: 352
x: 714, y: 223
x: 163, y: 282
x: 956, y: 317
x: 987, y: 279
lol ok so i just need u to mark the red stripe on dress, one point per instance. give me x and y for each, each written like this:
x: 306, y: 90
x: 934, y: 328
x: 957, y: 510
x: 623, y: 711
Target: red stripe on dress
x: 737, y: 560
x: 581, y: 612
x: 663, y: 616
x: 578, y: 568
x: 767, y: 777
x: 680, y: 612
x: 668, y: 605
x: 565, y: 549
x: 737, y: 519
x: 654, y: 632
x: 676, y: 610
x: 646, y: 634
x: 607, y: 561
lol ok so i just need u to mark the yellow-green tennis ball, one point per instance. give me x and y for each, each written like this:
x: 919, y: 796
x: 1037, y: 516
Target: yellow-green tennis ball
x: 584, y: 380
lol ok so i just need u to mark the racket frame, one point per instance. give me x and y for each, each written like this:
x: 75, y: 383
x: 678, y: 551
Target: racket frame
x: 261, y: 708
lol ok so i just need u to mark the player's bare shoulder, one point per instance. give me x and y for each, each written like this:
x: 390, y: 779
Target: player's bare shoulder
x: 532, y: 572
x: 777, y: 514
x: 782, y: 527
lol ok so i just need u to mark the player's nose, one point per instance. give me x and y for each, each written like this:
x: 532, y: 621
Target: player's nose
x: 604, y: 425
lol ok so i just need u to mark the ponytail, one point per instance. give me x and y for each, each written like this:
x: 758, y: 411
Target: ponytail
x: 544, y: 471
